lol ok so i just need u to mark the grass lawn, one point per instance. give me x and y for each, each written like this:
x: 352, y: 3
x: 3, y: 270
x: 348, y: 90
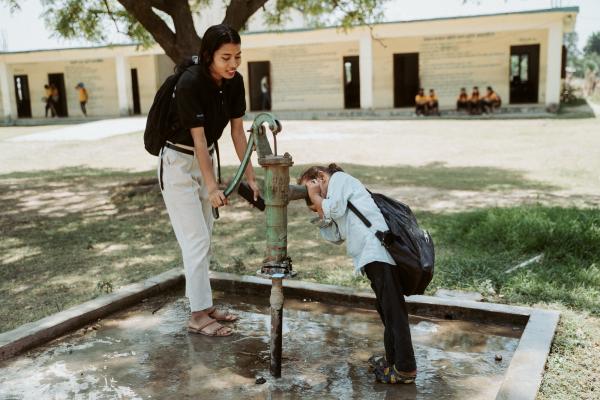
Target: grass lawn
x: 70, y: 235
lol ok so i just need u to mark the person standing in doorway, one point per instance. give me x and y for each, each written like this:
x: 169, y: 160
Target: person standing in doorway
x: 208, y: 96
x: 83, y: 97
x: 55, y: 97
x: 265, y: 96
x: 49, y: 102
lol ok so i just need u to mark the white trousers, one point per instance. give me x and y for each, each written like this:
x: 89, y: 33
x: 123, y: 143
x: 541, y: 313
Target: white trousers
x: 190, y: 212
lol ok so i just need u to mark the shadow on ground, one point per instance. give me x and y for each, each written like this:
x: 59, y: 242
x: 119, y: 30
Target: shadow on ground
x: 68, y: 235
x: 433, y: 175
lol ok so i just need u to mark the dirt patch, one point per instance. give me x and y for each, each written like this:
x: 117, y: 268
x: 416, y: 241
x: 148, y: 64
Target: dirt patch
x: 441, y: 200
x: 562, y: 153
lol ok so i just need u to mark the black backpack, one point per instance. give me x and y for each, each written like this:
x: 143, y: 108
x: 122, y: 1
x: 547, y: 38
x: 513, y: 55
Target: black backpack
x: 159, y: 125
x: 410, y: 246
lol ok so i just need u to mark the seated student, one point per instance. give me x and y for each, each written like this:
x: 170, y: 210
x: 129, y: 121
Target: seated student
x: 421, y: 103
x: 491, y: 100
x: 475, y: 101
x: 329, y: 189
x: 462, y: 102
x: 432, y: 103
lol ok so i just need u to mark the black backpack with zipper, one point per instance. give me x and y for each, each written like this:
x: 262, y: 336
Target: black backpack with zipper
x: 160, y: 124
x: 410, y: 246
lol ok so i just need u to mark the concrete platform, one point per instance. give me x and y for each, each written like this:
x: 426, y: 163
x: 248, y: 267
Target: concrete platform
x: 521, y: 380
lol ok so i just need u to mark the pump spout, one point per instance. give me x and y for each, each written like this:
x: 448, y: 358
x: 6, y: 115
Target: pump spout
x: 297, y: 192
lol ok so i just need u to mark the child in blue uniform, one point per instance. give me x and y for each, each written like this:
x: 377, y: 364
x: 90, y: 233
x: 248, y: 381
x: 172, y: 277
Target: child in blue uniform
x: 329, y: 189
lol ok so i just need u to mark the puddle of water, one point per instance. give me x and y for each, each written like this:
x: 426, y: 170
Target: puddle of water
x: 146, y: 352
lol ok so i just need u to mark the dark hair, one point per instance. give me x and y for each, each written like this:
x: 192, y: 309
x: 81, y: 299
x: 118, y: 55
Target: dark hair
x: 490, y: 89
x: 214, y: 37
x: 313, y: 172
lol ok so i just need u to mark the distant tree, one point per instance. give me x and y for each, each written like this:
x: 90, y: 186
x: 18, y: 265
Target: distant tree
x: 571, y: 40
x: 170, y: 24
x: 593, y: 44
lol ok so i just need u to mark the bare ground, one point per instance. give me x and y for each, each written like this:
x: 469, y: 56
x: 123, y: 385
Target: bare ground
x: 564, y: 155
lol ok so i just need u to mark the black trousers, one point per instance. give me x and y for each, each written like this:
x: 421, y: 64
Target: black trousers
x: 387, y: 285
x: 50, y: 106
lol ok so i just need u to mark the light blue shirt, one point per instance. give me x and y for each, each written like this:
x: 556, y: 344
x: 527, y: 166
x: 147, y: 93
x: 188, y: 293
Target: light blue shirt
x: 341, y: 224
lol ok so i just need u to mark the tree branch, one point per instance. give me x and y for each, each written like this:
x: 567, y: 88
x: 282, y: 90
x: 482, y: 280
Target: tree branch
x: 185, y: 32
x: 160, y: 5
x: 110, y: 14
x: 239, y: 11
x: 160, y: 31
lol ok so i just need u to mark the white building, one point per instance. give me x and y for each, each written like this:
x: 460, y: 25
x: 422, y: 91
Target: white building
x: 520, y: 54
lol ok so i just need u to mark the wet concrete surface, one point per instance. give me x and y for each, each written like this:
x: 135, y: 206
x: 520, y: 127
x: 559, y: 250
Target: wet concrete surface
x: 145, y: 352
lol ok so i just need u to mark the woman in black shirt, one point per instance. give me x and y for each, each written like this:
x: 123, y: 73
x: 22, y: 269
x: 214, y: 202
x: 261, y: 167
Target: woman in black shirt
x: 208, y: 95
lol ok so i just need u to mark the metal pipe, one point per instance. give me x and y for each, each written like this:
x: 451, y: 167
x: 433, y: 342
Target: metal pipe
x: 276, y: 301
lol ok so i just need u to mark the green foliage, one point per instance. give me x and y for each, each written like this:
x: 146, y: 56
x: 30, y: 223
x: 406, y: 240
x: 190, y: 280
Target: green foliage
x: 104, y: 286
x: 589, y: 60
x: 481, y: 245
x: 92, y: 20
x: 572, y: 369
x: 570, y: 40
x: 593, y: 44
x: 13, y: 5
x: 346, y: 13
x: 238, y: 266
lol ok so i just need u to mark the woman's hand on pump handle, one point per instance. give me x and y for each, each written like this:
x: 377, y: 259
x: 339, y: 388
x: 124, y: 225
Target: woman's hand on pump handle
x: 217, y: 198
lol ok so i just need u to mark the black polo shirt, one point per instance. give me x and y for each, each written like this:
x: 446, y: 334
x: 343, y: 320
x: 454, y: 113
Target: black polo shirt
x: 199, y: 102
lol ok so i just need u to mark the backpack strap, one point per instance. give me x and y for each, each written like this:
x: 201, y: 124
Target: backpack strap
x: 359, y: 214
x: 384, y: 237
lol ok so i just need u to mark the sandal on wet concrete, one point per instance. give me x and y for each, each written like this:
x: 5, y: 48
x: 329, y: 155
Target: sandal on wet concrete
x: 217, y: 330
x: 392, y: 375
x: 221, y: 315
x: 376, y: 361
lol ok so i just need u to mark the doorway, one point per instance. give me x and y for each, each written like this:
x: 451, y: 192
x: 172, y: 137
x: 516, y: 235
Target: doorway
x: 135, y: 91
x: 22, y: 95
x: 524, y: 73
x: 260, y: 85
x: 351, y: 82
x: 406, y: 79
x: 58, y: 80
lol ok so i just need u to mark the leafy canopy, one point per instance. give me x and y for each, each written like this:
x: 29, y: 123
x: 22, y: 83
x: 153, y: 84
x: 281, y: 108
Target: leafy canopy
x: 170, y: 23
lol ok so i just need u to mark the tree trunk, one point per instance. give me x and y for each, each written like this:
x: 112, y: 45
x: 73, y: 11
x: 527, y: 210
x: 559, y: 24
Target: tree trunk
x: 179, y: 45
x: 239, y: 11
x: 184, y: 42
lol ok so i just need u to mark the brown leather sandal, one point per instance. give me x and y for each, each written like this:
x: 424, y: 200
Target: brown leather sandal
x: 222, y: 315
x: 201, y: 329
